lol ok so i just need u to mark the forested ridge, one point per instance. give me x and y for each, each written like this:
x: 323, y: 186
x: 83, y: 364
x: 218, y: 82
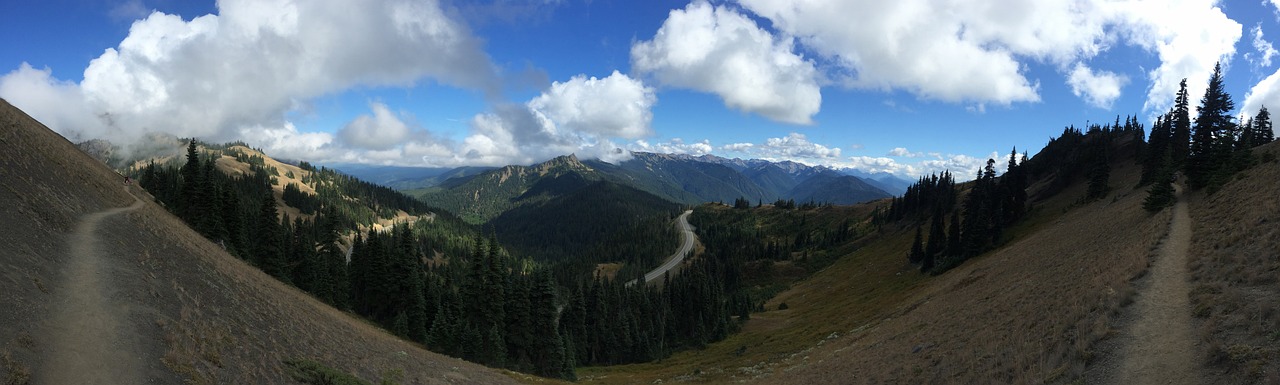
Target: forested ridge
x: 438, y: 281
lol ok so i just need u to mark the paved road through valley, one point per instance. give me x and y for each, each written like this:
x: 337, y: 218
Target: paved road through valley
x: 686, y: 246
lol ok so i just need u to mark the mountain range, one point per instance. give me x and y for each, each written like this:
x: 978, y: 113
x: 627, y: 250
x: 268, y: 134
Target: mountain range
x: 480, y: 194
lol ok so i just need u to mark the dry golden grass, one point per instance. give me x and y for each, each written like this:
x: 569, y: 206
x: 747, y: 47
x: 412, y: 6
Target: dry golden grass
x: 1235, y: 271
x: 199, y: 314
x: 1030, y: 312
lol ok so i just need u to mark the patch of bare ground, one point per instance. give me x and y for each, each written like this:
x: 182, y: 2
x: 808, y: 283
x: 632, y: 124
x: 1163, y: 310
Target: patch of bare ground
x: 205, y: 316
x: 1155, y: 344
x: 88, y: 338
x: 1235, y: 274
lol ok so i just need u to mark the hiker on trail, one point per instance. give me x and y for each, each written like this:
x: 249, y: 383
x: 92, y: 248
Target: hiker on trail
x: 127, y: 180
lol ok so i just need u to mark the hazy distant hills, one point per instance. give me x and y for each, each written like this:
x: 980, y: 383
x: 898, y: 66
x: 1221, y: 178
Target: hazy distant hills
x: 480, y: 194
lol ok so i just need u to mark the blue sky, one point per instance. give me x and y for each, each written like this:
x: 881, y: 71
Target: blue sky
x: 908, y: 87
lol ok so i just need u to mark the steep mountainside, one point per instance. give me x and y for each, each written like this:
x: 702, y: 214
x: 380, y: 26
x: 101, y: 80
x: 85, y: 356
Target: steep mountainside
x: 773, y: 179
x: 481, y: 197
x: 832, y: 187
x: 706, y: 182
x: 577, y: 217
x: 184, y: 310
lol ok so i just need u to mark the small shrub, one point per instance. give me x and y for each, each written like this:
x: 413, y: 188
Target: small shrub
x: 15, y: 373
x: 783, y: 306
x: 315, y: 373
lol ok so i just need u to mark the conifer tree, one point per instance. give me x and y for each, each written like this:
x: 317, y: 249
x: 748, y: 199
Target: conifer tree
x: 547, y: 350
x: 1263, y: 130
x: 190, y: 192
x: 1159, y: 196
x: 953, y: 236
x: 937, y: 238
x: 267, y: 252
x: 1180, y: 126
x: 1014, y: 185
x: 1157, y: 151
x: 208, y: 217
x: 1247, y: 136
x: 917, y: 253
x: 333, y: 261
x: 233, y: 220
x: 409, y: 268
x: 1099, y: 169
x: 1213, y: 126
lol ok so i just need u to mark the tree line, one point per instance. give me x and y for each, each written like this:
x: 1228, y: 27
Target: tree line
x: 1208, y: 150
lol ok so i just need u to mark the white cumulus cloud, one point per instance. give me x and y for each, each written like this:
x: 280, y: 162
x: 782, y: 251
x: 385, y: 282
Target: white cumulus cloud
x: 1099, y: 89
x: 903, y: 152
x: 794, y: 146
x: 1188, y: 36
x: 246, y: 67
x: 674, y: 146
x: 580, y: 116
x: 718, y: 50
x: 1263, y: 50
x: 978, y: 52
x: 383, y: 130
x: 963, y: 167
x: 1265, y: 93
x: 615, y: 106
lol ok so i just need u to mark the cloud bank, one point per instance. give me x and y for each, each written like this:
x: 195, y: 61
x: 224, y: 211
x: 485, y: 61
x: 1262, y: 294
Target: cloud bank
x: 237, y: 75
x: 953, y: 52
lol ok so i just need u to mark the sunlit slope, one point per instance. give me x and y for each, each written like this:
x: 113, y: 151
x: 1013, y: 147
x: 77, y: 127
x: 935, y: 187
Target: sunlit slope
x: 1030, y: 311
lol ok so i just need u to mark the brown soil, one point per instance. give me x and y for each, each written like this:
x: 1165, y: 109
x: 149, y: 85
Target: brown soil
x: 87, y: 336
x: 1159, y: 347
x: 178, y: 308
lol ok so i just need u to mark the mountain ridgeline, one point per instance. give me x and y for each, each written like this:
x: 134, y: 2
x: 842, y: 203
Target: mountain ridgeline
x: 675, y: 178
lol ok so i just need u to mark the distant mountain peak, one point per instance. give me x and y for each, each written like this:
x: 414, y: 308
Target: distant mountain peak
x: 561, y: 163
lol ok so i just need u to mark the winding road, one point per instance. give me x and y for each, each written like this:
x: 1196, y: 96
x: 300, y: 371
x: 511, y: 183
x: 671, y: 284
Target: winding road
x: 686, y: 246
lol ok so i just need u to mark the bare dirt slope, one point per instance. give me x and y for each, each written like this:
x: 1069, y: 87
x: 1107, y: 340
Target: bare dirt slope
x: 1159, y: 346
x: 88, y: 341
x: 186, y: 310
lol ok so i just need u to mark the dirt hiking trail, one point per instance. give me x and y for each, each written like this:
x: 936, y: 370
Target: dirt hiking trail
x: 86, y: 334
x: 1161, y: 349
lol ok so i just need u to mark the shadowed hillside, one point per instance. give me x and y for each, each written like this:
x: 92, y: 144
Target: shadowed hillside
x: 185, y: 310
x: 1235, y: 273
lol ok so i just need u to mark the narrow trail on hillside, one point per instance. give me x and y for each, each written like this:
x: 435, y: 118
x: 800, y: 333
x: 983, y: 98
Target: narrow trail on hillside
x: 85, y: 334
x: 1161, y: 349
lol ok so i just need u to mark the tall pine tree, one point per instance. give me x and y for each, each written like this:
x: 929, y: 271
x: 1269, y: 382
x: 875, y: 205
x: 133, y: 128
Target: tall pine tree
x: 1213, y: 126
x: 1180, y: 129
x: 268, y: 254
